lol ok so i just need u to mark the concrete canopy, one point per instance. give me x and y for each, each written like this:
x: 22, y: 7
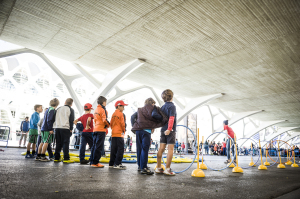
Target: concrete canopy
x: 248, y: 50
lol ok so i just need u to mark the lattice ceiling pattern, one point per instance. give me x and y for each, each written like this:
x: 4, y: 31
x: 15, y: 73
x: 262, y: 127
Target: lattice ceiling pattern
x: 248, y: 50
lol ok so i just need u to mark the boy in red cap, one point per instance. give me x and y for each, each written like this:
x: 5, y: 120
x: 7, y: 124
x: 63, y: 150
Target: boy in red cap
x: 118, y: 126
x: 86, y: 136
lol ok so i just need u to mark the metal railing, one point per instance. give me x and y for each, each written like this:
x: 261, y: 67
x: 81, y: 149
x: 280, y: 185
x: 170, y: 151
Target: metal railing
x: 4, y: 134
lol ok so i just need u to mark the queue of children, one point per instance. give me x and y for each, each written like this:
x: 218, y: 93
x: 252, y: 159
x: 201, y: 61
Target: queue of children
x: 60, y: 121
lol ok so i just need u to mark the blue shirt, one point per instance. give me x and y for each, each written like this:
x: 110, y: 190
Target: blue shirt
x: 169, y: 109
x: 35, y: 118
x: 49, y: 119
x: 24, y: 126
x: 148, y: 130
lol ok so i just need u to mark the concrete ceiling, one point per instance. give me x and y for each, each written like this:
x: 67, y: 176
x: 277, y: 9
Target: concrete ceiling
x: 249, y: 50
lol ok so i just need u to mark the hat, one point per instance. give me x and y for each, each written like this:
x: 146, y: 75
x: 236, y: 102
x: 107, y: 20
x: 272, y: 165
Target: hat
x: 88, y: 106
x: 120, y: 103
x: 225, y: 122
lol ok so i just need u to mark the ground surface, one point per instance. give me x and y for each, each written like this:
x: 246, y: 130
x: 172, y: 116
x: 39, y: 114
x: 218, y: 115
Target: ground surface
x: 25, y: 178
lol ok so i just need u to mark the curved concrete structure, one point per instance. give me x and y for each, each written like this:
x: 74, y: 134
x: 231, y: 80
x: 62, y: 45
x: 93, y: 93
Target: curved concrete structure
x: 262, y: 126
x: 237, y: 117
x: 195, y: 103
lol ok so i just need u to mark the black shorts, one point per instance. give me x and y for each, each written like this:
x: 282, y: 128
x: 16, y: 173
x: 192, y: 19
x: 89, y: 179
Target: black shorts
x: 167, y: 139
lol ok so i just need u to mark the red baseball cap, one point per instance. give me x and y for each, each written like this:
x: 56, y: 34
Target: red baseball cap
x: 88, y: 106
x: 120, y: 103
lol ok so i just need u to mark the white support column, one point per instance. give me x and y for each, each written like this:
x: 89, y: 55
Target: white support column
x: 73, y: 77
x: 195, y: 103
x: 14, y: 52
x: 237, y: 117
x: 88, y: 75
x: 224, y: 115
x: 253, y: 122
x: 53, y: 67
x: 161, y: 103
x: 212, y: 116
x: 115, y: 76
x: 178, y: 103
x: 66, y: 82
x: 120, y: 93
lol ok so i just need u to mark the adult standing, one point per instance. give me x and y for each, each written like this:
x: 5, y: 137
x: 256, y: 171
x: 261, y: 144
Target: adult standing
x: 24, y: 130
x: 143, y: 122
x: 206, y: 147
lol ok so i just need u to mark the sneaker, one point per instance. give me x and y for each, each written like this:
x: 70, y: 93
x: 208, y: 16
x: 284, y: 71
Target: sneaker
x: 159, y: 170
x: 29, y: 156
x: 169, y: 172
x: 38, y: 158
x: 57, y: 160
x: 111, y: 166
x: 44, y: 159
x: 97, y: 165
x: 68, y: 161
x: 51, y: 159
x: 139, y: 169
x: 227, y: 161
x: 147, y: 171
x: 120, y: 166
x: 84, y: 161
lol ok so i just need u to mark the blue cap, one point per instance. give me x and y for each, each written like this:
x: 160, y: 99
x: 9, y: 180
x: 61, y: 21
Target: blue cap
x: 225, y: 122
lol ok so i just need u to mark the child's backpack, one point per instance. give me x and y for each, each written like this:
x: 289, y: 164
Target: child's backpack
x: 79, y: 126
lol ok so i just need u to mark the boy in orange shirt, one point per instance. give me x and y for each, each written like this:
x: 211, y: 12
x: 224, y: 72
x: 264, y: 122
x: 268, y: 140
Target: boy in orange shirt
x: 118, y: 126
x: 100, y: 129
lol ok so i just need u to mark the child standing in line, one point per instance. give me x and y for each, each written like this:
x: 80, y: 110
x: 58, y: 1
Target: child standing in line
x: 63, y: 125
x: 47, y: 130
x: 24, y: 130
x: 49, y: 148
x: 100, y: 131
x: 168, y: 132
x: 118, y: 126
x: 86, y: 136
x: 33, y: 132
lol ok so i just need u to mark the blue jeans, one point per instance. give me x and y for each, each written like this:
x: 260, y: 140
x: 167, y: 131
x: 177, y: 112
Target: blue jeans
x: 228, y: 148
x: 142, y: 147
x: 206, y: 149
x: 224, y: 151
x: 98, y: 142
x: 116, y: 151
x: 86, y: 137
